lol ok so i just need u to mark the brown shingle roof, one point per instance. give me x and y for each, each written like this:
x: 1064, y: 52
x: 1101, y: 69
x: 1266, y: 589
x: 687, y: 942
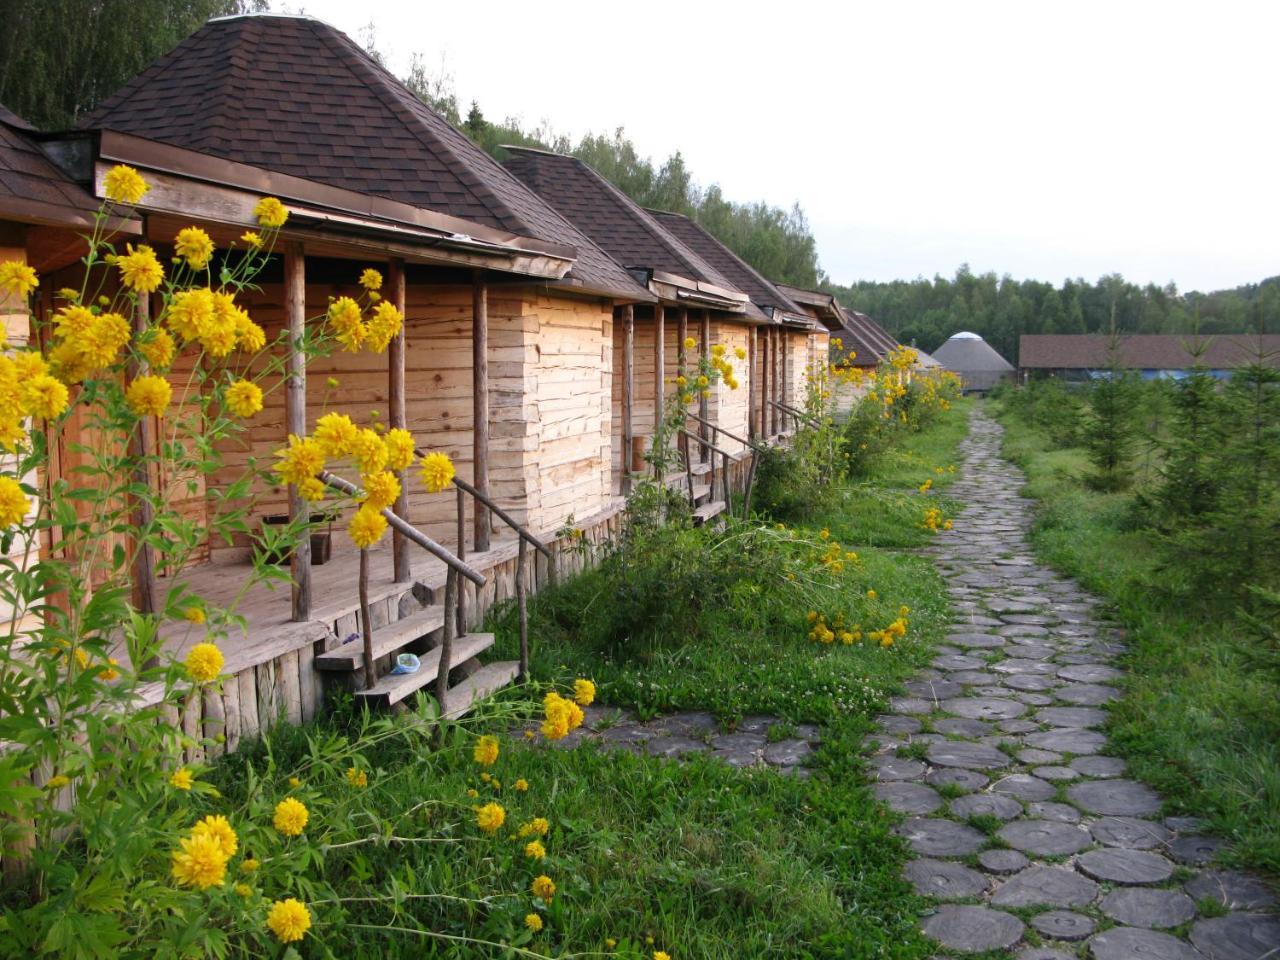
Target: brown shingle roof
x: 1144, y: 351
x: 608, y: 216
x: 745, y: 277
x: 295, y: 95
x: 32, y: 188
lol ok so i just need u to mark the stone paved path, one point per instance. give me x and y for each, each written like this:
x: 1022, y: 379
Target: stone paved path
x: 1028, y: 833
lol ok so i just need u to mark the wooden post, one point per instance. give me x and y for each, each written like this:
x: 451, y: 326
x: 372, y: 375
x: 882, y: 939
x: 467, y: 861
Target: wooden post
x: 480, y: 404
x: 141, y: 444
x: 400, y: 558
x: 461, y: 554
x: 366, y: 622
x: 682, y: 332
x: 446, y: 644
x: 704, y: 401
x: 295, y: 416
x: 522, y: 560
x: 753, y: 388
x: 659, y: 366
x: 628, y: 393
x: 774, y: 424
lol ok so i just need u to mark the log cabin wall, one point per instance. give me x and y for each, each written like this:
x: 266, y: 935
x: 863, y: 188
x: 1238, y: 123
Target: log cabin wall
x: 730, y: 408
x: 642, y: 420
x: 797, y: 365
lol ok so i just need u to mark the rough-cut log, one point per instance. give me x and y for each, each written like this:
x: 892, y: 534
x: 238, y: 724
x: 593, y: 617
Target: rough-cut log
x: 704, y: 400
x: 628, y: 388
x: 295, y: 305
x: 480, y: 404
x: 142, y: 444
x: 402, y: 565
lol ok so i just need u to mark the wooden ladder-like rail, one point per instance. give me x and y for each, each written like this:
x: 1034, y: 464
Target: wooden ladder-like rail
x: 755, y: 448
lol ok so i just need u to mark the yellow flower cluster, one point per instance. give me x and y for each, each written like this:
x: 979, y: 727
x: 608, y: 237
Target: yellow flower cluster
x: 357, y: 778
x: 86, y: 341
x: 290, y: 817
x: 562, y: 716
x: 149, y: 395
x: 212, y: 319
x: 289, y: 920
x: 243, y: 398
x: 821, y: 632
x: 486, y: 751
x: 13, y: 503
x: 353, y: 330
x: 201, y: 858
x: 204, y: 662
x: 894, y: 631
x: 27, y: 389
x: 437, y: 471
x: 926, y: 486
x: 123, y: 184
x: 934, y: 520
x: 491, y: 817
x: 17, y: 278
x: 140, y: 271
x: 584, y: 692
x: 194, y: 246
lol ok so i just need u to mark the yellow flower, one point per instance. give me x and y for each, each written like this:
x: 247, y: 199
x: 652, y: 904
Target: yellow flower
x: 289, y: 919
x: 158, y: 348
x: 18, y: 278
x: 584, y: 692
x: 610, y: 942
x: 149, y: 395
x: 181, y: 779
x: 533, y: 922
x: 383, y: 326
x: 194, y: 614
x: 534, y: 850
x: 521, y: 785
x: 249, y: 865
x: 204, y: 662
x: 473, y: 793
x: 399, y: 444
x: 123, y: 184
x: 486, y: 777
x: 357, y: 778
x: 486, y: 751
x: 661, y: 955
x: 194, y: 246
x: 244, y: 398
x: 543, y: 887
x: 57, y: 782
x: 871, y: 594
x: 682, y: 381
x: 109, y: 672
x: 702, y: 381
x: 200, y: 862
x: 540, y: 826
x: 437, y: 471
x: 291, y: 817
x: 243, y: 890
x: 140, y: 270
x: 302, y: 459
x: 690, y: 343
x: 740, y: 353
x: 717, y: 350
x: 312, y: 490
x: 380, y: 489
x: 369, y: 451
x: 44, y: 396
x: 562, y: 716
x: 251, y: 239
x: 348, y: 323
x: 529, y: 734
x: 270, y: 213
x: 336, y: 434
x: 371, y: 279
x: 490, y: 817
x: 367, y: 527
x: 219, y: 828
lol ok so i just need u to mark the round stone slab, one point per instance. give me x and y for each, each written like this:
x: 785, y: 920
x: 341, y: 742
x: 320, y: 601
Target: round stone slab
x: 984, y: 708
x: 1087, y: 694
x: 1024, y: 787
x: 1045, y: 838
x: 973, y: 929
x: 892, y: 723
x: 1231, y: 888
x: 976, y: 641
x: 1116, y: 798
x: 1046, y: 886
x: 1090, y: 673
x: 1195, y: 850
x: 1238, y: 936
x: 1002, y: 861
x: 1078, y: 717
x: 944, y: 880
x: 898, y: 768
x: 1055, y: 773
x: 1068, y: 741
x: 964, y: 779
x: 1144, y: 907
x: 986, y: 805
x: 1118, y: 865
x: 1098, y: 766
x: 962, y: 727
x: 911, y: 798
x: 958, y: 661
x: 940, y: 838
x: 1043, y: 953
x: 1029, y: 681
x: 1049, y: 810
x: 1128, y: 943
x: 933, y: 689
x: 972, y: 756
x: 1129, y: 832
x: 1063, y: 925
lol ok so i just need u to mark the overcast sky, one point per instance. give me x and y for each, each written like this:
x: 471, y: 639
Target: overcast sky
x: 1041, y: 140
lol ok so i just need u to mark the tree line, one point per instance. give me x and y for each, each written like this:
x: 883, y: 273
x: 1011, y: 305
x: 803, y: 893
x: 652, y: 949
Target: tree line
x: 1001, y: 309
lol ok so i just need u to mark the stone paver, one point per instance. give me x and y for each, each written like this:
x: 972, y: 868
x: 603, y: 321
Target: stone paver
x: 1018, y: 698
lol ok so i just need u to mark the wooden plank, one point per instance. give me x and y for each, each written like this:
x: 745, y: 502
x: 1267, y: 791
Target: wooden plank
x: 307, y: 682
x: 191, y: 710
x: 141, y: 445
x: 268, y: 695
x: 704, y: 400
x: 659, y: 359
x: 628, y: 392
x: 231, y: 712
x: 215, y: 723
x: 480, y: 405
x: 247, y: 681
x: 401, y: 561
x: 295, y: 283
x: 682, y: 334
x: 753, y: 385
x: 290, y: 686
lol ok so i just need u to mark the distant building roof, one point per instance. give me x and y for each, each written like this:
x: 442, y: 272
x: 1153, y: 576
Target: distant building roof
x: 622, y: 228
x: 294, y: 95
x: 979, y: 365
x: 1091, y: 351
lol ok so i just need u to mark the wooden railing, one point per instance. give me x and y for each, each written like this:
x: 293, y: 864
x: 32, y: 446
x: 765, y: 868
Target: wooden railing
x: 456, y: 567
x: 755, y: 448
x: 525, y: 538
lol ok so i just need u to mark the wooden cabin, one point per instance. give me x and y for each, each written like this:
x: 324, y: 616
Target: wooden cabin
x: 703, y: 302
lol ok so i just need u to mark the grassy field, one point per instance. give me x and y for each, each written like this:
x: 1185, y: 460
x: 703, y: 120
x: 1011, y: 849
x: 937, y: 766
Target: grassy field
x: 694, y: 858
x: 1198, y: 721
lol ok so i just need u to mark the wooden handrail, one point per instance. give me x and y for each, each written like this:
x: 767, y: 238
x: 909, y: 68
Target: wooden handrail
x: 410, y: 532
x: 798, y: 414
x: 732, y: 436
x: 706, y: 443
x: 501, y: 514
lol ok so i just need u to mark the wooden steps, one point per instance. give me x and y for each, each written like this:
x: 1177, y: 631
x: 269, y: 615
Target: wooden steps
x: 386, y: 640
x: 708, y: 511
x: 701, y: 492
x: 486, y: 681
x: 393, y: 688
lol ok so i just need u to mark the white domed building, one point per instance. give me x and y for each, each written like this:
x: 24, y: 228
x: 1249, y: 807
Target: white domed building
x: 976, y: 362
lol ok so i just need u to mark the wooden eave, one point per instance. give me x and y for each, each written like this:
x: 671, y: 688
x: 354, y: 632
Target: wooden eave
x: 333, y: 221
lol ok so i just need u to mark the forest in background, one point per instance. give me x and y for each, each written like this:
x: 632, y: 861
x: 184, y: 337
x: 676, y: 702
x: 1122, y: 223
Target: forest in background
x: 59, y: 58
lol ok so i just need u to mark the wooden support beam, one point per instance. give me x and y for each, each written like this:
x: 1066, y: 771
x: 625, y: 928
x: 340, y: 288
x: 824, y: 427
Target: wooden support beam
x: 628, y: 392
x: 142, y: 444
x: 295, y: 407
x: 682, y: 332
x: 704, y: 400
x: 659, y: 361
x: 774, y: 423
x: 480, y: 404
x: 401, y: 563
x: 753, y: 386
x: 762, y: 345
